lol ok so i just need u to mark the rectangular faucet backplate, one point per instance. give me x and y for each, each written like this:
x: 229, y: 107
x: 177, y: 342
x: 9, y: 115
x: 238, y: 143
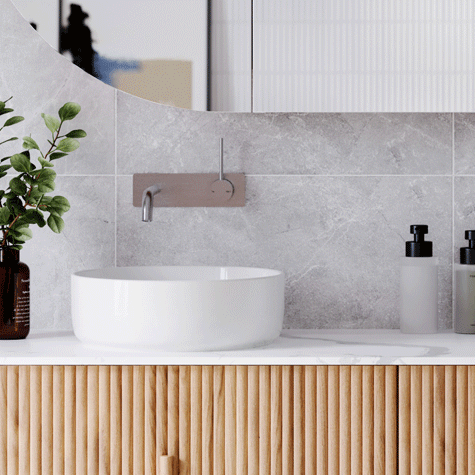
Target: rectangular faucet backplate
x: 192, y: 189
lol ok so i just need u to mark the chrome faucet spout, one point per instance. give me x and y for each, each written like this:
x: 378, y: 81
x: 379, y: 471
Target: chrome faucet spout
x: 147, y: 202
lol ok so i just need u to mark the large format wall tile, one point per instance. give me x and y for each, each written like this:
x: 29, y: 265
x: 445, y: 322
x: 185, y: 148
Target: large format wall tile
x: 154, y: 138
x: 464, y: 144
x: 87, y: 242
x: 41, y: 80
x: 338, y: 240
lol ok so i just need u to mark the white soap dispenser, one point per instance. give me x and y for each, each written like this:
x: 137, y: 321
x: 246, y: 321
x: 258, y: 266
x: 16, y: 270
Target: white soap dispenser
x: 418, y: 300
x: 464, y: 321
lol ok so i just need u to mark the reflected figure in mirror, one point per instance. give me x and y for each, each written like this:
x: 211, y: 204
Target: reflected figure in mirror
x: 77, y: 39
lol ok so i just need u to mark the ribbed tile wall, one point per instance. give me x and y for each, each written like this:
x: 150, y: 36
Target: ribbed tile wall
x: 363, y: 55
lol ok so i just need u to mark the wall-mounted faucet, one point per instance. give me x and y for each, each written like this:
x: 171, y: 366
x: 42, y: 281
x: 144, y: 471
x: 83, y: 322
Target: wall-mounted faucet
x: 147, y: 202
x: 189, y: 189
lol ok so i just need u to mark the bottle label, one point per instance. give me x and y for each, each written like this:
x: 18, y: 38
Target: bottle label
x: 21, y: 303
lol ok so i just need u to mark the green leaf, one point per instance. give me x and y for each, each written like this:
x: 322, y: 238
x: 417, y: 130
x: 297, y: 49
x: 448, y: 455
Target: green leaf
x: 45, y: 175
x: 4, y: 167
x: 69, y: 111
x: 4, y: 215
x: 33, y: 216
x: 6, y: 111
x: 4, y: 158
x: 2, y: 174
x: 9, y: 140
x: 58, y: 206
x: 44, y: 162
x: 55, y: 223
x: 68, y: 145
x: 76, y: 134
x: 13, y: 120
x: 46, y: 187
x: 2, y: 105
x: 21, y: 234
x: 15, y: 205
x: 29, y: 143
x: 20, y: 163
x: 17, y: 186
x: 56, y: 155
x: 51, y: 122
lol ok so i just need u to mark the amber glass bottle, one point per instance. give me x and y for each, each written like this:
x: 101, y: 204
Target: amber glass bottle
x: 14, y: 295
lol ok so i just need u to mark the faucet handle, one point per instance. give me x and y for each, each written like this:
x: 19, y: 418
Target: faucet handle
x: 222, y: 188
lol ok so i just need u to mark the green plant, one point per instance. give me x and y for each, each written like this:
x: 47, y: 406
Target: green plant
x: 25, y: 200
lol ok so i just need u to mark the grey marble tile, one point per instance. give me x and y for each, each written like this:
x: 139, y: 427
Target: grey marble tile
x: 41, y: 80
x: 464, y: 144
x: 87, y: 242
x: 156, y: 138
x: 338, y: 240
x: 464, y: 211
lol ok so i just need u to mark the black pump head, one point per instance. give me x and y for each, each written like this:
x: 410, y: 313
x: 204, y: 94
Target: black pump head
x: 467, y: 254
x: 419, y: 247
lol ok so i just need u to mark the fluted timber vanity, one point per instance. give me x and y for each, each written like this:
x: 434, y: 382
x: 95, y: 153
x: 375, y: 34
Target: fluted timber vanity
x: 313, y: 402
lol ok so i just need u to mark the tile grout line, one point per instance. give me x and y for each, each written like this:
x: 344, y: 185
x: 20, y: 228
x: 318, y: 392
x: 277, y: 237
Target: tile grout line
x: 115, y: 178
x: 453, y: 219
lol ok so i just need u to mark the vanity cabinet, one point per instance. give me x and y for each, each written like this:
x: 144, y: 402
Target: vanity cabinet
x: 79, y: 420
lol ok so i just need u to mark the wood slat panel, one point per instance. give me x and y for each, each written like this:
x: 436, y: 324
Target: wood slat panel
x: 226, y: 420
x: 24, y: 419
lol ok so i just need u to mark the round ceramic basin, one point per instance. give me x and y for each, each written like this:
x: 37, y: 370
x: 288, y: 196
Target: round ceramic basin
x: 178, y: 308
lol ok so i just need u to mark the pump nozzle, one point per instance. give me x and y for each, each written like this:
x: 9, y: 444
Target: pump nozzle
x: 467, y: 254
x: 419, y: 247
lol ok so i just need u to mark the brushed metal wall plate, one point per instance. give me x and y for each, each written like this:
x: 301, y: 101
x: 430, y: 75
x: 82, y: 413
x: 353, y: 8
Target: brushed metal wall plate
x: 190, y: 189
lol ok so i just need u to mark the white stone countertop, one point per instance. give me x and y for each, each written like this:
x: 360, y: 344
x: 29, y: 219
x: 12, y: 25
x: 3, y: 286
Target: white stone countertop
x: 293, y: 347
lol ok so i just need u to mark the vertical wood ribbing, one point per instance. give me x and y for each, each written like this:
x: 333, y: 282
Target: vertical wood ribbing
x: 162, y: 411
x: 92, y: 420
x: 115, y: 420
x: 241, y: 419
x: 230, y: 419
x: 322, y: 419
x: 47, y: 419
x: 450, y: 419
x: 310, y: 420
x: 218, y: 420
x: 138, y: 418
x: 461, y: 419
x: 391, y: 382
x: 81, y: 419
x: 299, y: 419
x: 264, y: 419
x: 404, y: 418
x: 356, y: 420
x: 150, y: 437
x: 427, y: 419
x: 70, y: 420
x: 58, y: 420
x: 287, y: 420
x: 368, y: 420
x: 104, y: 420
x: 379, y: 419
x: 196, y: 420
x: 12, y: 420
x: 471, y: 419
x: 127, y: 417
x: 253, y: 420
x: 207, y: 420
x: 24, y: 419
x: 173, y: 415
x: 35, y: 420
x: 3, y: 419
x: 184, y: 420
x: 416, y: 419
x: 276, y: 420
x: 345, y: 419
x: 439, y: 420
x: 333, y: 397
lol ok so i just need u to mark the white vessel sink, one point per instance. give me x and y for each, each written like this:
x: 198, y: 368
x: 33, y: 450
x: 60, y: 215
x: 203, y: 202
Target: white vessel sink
x: 182, y: 308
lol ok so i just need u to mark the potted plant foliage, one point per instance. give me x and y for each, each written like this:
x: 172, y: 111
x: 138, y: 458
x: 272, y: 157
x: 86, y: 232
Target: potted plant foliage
x: 27, y: 201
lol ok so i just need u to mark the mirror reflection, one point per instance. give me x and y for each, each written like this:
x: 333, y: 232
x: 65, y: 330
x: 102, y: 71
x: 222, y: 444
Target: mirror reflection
x: 106, y: 40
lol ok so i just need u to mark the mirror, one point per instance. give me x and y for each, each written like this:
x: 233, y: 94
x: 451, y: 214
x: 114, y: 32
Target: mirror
x: 307, y: 56
x: 106, y: 39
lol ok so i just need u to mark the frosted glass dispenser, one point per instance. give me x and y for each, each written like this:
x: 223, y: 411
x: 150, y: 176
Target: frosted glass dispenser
x: 418, y: 299
x: 464, y: 321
